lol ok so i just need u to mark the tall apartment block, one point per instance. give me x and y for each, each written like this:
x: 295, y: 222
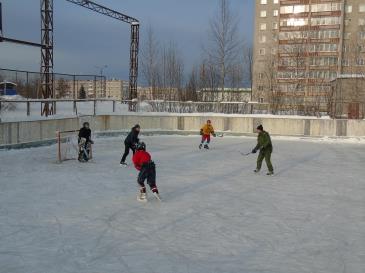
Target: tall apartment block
x: 300, y: 46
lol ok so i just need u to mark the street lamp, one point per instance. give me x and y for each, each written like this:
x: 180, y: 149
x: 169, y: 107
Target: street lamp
x: 103, y: 87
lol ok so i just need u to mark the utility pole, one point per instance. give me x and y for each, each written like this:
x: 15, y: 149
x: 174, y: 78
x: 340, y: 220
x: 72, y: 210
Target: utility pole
x: 103, y: 81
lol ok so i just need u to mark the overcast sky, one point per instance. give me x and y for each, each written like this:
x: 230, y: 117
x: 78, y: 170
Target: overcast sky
x: 84, y: 39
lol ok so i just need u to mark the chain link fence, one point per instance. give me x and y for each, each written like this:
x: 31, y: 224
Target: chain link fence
x: 65, y: 86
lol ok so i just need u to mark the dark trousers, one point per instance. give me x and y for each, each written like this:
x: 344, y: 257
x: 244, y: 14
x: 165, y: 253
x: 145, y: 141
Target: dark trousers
x: 265, y: 154
x: 148, y: 172
x: 126, y: 151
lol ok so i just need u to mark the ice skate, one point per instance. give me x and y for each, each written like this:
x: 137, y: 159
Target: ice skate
x: 206, y: 147
x: 200, y: 146
x: 256, y: 171
x: 156, y: 194
x: 142, y: 195
x: 270, y: 174
x: 123, y: 164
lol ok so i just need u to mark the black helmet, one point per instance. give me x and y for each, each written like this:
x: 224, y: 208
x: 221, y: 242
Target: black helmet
x: 141, y: 146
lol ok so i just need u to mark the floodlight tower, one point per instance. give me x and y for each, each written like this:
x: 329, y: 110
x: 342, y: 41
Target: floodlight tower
x: 134, y: 46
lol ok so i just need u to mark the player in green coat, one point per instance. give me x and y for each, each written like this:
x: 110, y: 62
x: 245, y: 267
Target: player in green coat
x: 265, y: 146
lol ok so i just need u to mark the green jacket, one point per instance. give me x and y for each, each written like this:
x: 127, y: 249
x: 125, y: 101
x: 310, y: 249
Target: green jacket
x: 264, y: 142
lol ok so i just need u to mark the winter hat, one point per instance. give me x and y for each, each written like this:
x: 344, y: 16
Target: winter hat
x: 260, y: 127
x: 137, y: 126
x: 209, y: 121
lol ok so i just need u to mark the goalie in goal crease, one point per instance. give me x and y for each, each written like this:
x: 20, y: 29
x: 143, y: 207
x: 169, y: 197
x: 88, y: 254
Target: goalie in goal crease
x: 85, y: 143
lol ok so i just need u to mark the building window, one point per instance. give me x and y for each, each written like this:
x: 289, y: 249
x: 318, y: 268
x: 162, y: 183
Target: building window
x: 276, y: 13
x: 347, y: 35
x: 348, y: 8
x: 263, y: 39
x: 262, y: 51
x: 263, y: 13
x: 263, y: 26
x: 294, y: 22
x: 362, y: 35
x: 263, y: 2
x: 347, y: 22
x: 261, y: 100
x: 275, y: 1
x: 274, y: 25
x: 261, y: 76
x: 361, y: 22
x: 345, y: 62
x: 360, y: 62
x: 273, y: 51
x: 362, y: 7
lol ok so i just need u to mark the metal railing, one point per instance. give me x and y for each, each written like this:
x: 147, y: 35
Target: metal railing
x: 16, y: 109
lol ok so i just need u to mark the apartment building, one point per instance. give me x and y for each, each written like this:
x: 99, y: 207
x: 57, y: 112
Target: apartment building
x: 114, y: 89
x: 300, y: 46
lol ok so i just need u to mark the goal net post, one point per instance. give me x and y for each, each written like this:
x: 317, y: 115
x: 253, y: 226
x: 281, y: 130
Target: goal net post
x: 67, y: 145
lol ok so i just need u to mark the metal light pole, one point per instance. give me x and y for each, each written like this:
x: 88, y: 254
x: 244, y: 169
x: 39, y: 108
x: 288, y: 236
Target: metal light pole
x: 103, y: 86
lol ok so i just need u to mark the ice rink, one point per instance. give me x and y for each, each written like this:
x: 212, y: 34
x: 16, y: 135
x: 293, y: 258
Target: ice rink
x: 217, y: 216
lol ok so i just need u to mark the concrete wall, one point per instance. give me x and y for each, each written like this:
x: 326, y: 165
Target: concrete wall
x: 38, y: 132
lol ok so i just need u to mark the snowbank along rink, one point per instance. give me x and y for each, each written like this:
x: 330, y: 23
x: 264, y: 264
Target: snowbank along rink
x: 216, y: 215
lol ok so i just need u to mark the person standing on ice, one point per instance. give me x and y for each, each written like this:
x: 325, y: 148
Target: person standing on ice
x: 265, y: 146
x: 147, y: 171
x: 205, y: 132
x: 130, y: 143
x: 84, y: 142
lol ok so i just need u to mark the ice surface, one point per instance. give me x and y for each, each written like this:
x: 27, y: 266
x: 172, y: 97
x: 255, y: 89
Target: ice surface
x: 216, y: 216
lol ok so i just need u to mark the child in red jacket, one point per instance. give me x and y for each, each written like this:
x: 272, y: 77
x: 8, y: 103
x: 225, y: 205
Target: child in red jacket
x: 147, y: 170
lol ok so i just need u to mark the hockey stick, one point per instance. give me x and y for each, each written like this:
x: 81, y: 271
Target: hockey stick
x: 219, y: 135
x: 243, y: 154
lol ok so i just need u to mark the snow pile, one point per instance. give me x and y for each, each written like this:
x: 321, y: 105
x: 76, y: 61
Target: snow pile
x: 216, y: 215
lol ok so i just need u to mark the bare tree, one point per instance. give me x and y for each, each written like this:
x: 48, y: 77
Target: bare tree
x: 225, y: 43
x: 62, y: 88
x: 150, y: 62
x: 248, y: 65
x: 173, y: 70
x: 192, y: 86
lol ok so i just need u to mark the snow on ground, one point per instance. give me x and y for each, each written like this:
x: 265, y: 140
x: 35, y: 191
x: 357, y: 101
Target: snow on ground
x: 17, y: 111
x: 216, y: 215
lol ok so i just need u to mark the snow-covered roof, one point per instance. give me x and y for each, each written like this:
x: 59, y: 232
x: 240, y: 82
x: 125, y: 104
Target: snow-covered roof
x: 349, y: 76
x: 6, y: 82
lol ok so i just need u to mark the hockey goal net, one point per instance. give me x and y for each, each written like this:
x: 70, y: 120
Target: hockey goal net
x: 67, y: 145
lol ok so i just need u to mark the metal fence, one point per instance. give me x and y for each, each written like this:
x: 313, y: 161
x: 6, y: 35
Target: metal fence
x: 64, y: 85
x: 19, y: 109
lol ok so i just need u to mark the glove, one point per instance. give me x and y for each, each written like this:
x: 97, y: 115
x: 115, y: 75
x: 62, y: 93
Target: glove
x: 201, y: 132
x: 254, y: 151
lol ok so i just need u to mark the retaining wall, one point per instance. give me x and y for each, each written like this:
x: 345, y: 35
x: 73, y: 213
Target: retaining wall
x: 14, y: 134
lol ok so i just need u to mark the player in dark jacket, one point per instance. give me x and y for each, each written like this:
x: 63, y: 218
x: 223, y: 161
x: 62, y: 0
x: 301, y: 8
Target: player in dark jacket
x: 147, y: 170
x: 265, y: 146
x: 85, y: 142
x: 130, y: 143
